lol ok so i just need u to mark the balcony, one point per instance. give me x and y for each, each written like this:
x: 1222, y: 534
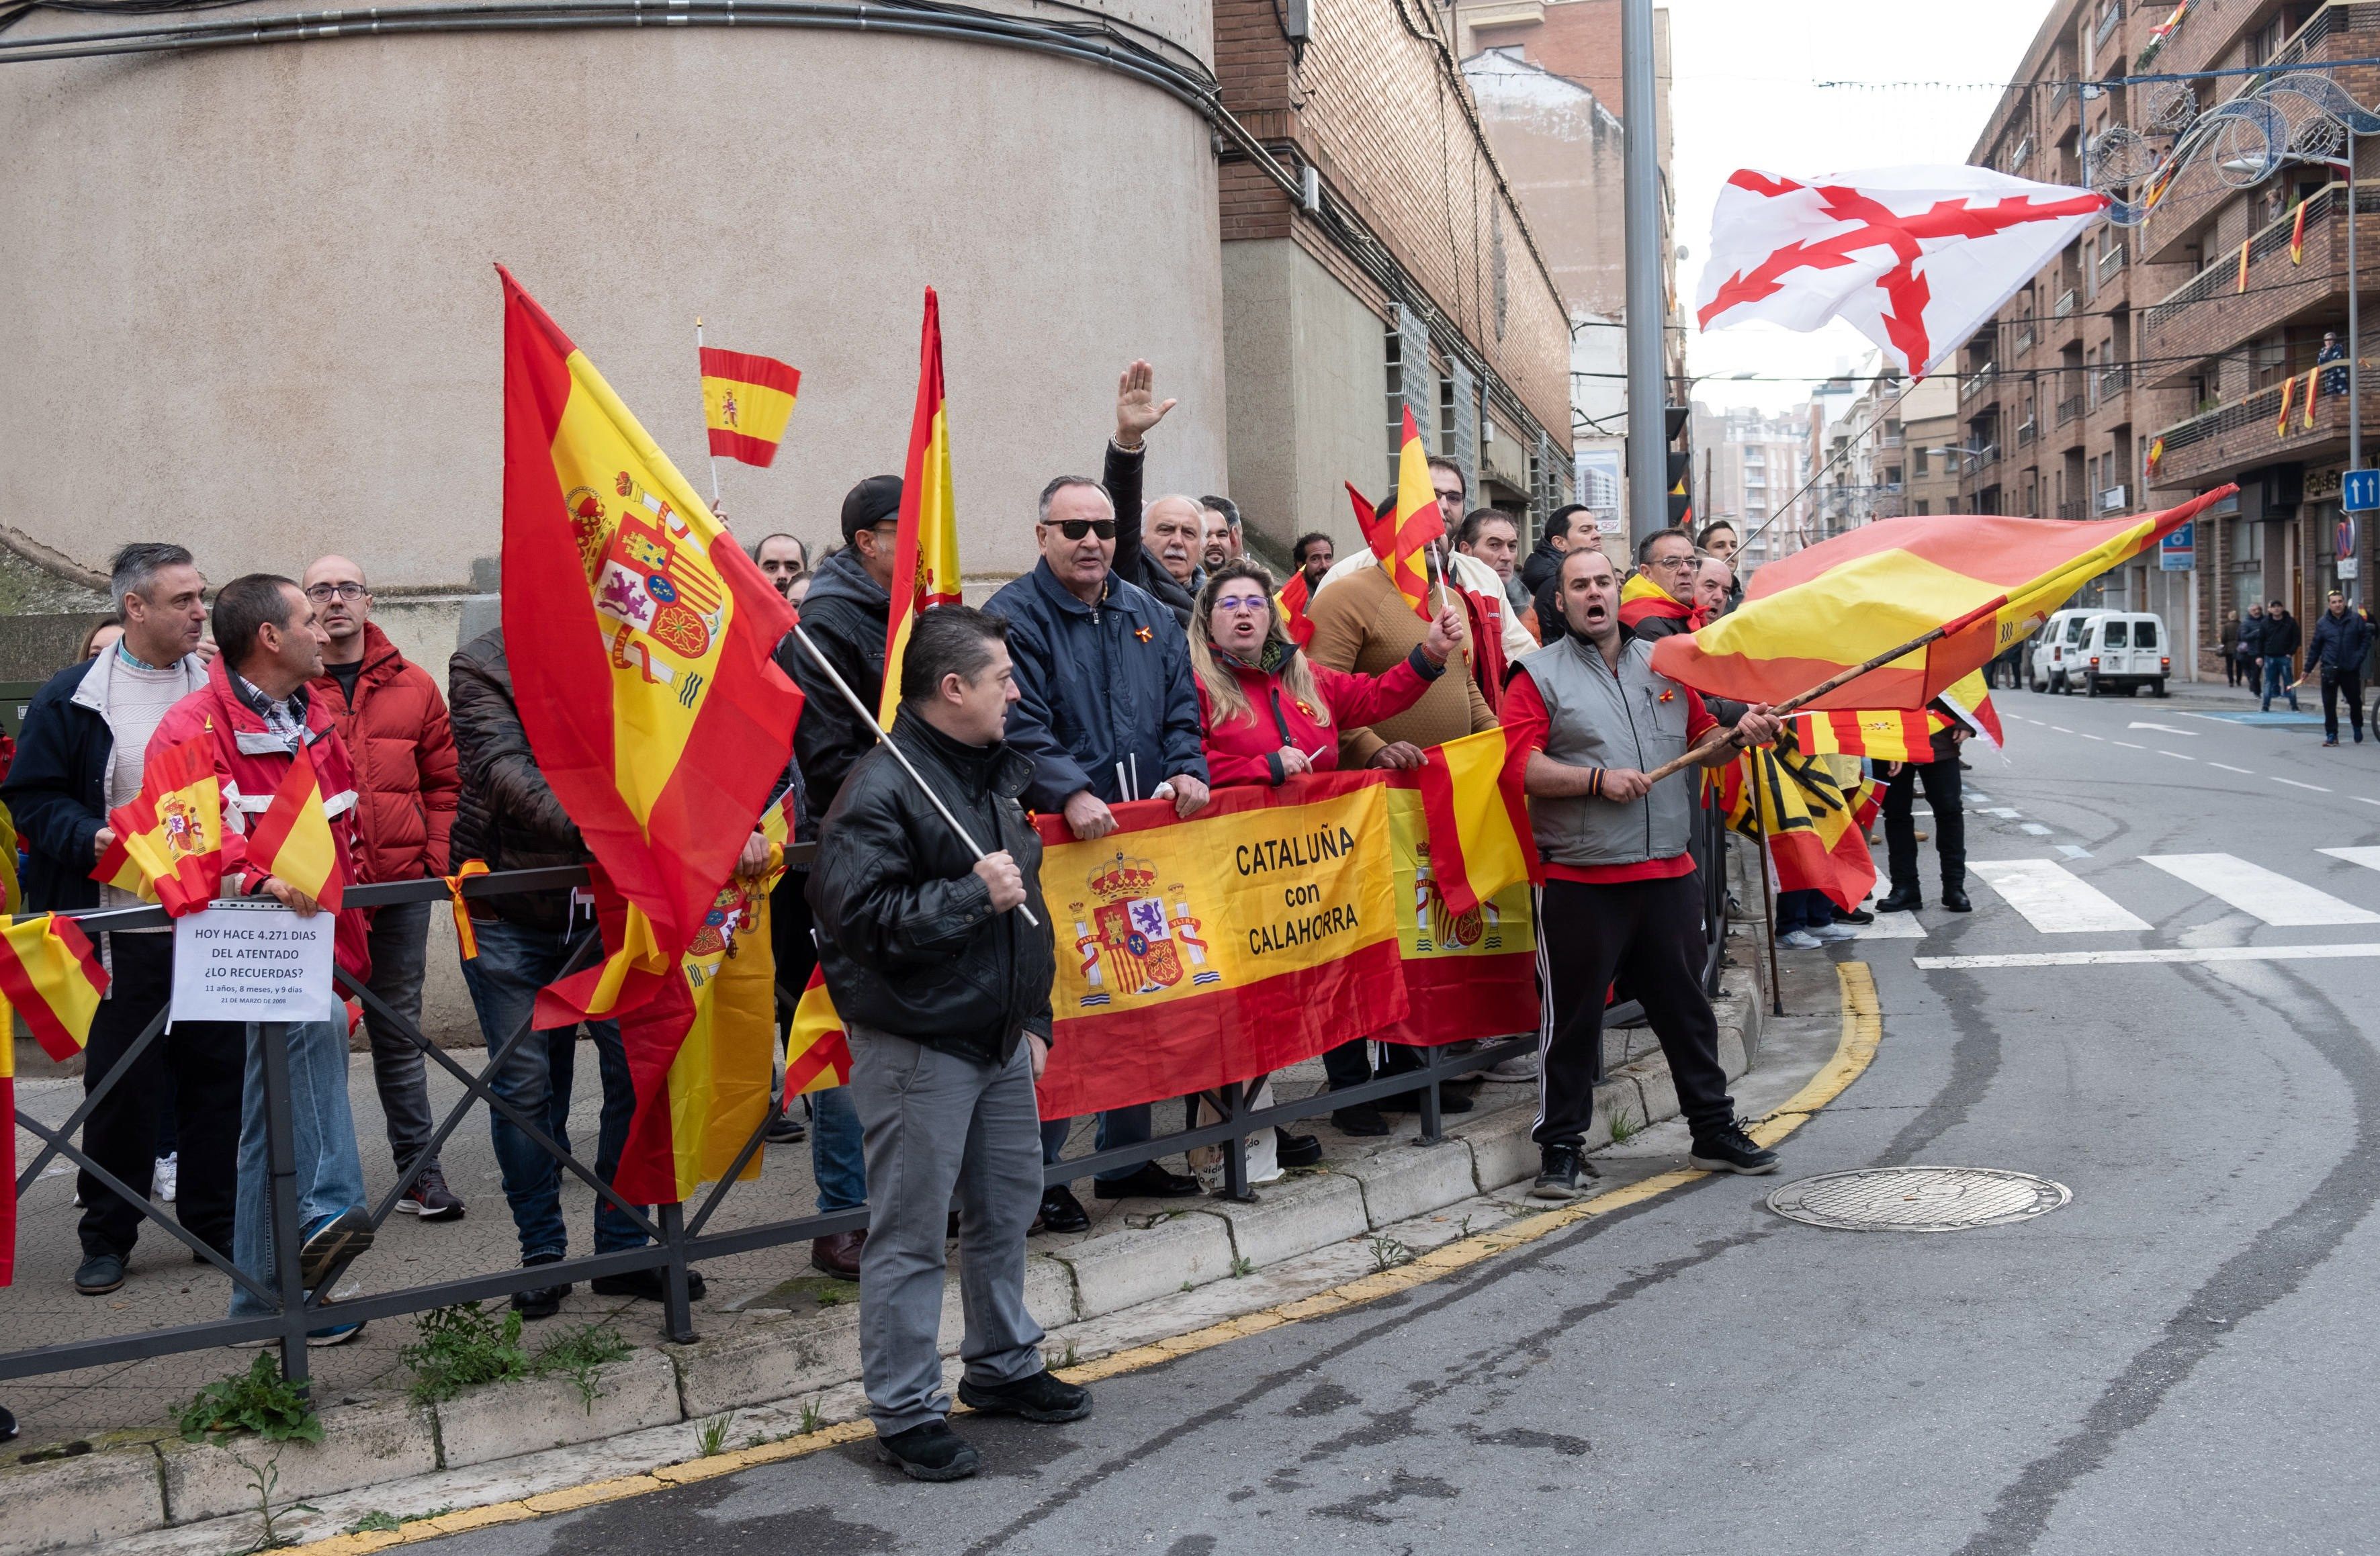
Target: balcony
x: 2173, y: 334
x: 1976, y: 461
x: 2024, y: 432
x: 2247, y: 432
x: 2111, y: 264
x: 2069, y: 409
x: 1977, y: 381
x: 2066, y: 301
x: 2108, y: 20
x: 2023, y: 338
x: 2114, y: 381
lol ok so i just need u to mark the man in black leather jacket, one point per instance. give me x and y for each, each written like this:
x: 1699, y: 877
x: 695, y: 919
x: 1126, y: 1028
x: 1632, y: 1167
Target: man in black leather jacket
x: 943, y: 987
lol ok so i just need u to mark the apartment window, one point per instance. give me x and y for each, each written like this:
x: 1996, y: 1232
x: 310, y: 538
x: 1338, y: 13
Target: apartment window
x: 1920, y: 508
x: 1917, y: 461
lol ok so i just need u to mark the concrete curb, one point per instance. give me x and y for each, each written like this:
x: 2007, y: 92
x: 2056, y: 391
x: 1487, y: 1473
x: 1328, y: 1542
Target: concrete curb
x: 136, y: 1482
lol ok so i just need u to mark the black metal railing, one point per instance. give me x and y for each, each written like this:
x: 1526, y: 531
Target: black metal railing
x: 678, y: 1234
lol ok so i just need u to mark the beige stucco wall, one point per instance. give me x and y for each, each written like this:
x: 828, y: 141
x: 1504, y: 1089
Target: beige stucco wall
x: 1308, y: 368
x: 251, y: 305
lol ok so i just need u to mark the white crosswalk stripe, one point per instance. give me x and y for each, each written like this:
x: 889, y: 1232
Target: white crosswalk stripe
x: 1893, y: 926
x: 2052, y: 897
x: 2368, y: 858
x: 2258, y: 892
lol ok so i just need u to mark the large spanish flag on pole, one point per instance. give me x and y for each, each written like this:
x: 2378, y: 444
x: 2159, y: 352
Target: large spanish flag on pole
x: 926, y: 556
x: 1419, y: 524
x: 1982, y: 582
x: 640, y: 638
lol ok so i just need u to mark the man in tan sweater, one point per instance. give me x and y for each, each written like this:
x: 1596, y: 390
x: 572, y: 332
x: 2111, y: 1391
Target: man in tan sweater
x: 1361, y: 624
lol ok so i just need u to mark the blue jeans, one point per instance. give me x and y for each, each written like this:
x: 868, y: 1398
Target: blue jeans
x: 1118, y: 1125
x: 836, y: 1160
x: 1804, y: 909
x: 2276, y: 682
x: 514, y: 963
x: 322, y: 1132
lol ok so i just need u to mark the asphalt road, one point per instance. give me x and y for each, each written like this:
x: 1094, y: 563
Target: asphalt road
x: 2181, y: 1357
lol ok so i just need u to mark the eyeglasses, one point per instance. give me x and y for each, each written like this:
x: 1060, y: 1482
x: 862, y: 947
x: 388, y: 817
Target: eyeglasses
x: 1075, y: 529
x: 321, y: 593
x: 1243, y: 602
x: 1686, y: 560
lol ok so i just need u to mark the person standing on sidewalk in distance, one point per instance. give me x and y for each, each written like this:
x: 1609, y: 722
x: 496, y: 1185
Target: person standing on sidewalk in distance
x: 1940, y: 780
x: 846, y: 614
x: 392, y: 721
x: 507, y: 814
x: 1107, y: 712
x: 2279, y: 646
x: 255, y: 713
x: 1362, y: 626
x: 2251, y: 647
x: 2229, y: 638
x: 1270, y: 714
x: 1587, y: 719
x: 2342, y: 638
x: 943, y: 986
x: 80, y: 754
x: 1167, y: 565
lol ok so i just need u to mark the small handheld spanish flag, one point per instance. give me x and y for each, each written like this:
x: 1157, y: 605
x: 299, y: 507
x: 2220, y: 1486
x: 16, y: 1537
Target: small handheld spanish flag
x: 293, y: 837
x: 1293, y: 600
x: 1419, y: 524
x: 746, y: 401
x: 168, y: 844
x: 50, y: 974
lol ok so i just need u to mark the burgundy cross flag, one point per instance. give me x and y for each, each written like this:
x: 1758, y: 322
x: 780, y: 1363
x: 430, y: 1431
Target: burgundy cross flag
x: 1916, y: 258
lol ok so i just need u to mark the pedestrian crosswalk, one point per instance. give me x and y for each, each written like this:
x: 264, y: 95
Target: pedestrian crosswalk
x: 2051, y: 899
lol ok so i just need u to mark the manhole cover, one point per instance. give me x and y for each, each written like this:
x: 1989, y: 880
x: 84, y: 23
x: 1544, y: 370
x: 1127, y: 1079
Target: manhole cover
x: 1918, y: 1199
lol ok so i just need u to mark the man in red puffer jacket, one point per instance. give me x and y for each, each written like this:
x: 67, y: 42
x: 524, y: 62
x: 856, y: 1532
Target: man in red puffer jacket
x: 390, y: 714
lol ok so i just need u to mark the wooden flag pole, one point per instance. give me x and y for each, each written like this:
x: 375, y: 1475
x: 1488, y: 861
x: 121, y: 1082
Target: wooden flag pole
x: 1768, y: 902
x: 1840, y: 678
x: 868, y: 718
x: 706, y: 419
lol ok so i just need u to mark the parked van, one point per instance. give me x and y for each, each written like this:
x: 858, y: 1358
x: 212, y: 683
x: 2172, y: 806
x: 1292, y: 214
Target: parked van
x: 2053, y: 648
x: 2120, y: 651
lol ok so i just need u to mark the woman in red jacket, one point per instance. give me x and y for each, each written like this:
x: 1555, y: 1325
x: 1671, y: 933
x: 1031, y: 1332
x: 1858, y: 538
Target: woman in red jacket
x: 1269, y: 713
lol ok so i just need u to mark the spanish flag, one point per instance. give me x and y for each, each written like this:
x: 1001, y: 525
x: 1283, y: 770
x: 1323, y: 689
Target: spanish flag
x: 169, y: 838
x: 1878, y: 734
x: 1815, y: 838
x: 293, y: 838
x: 1293, y: 600
x: 925, y: 555
x: 1378, y: 529
x: 50, y: 972
x: 719, y: 1080
x: 746, y: 402
x: 1417, y: 525
x: 2313, y: 391
x: 1971, y: 699
x: 1642, y: 600
x: 1836, y: 605
x: 641, y: 637
x: 2243, y: 264
x: 818, y: 1056
x: 2297, y: 236
x: 1479, y: 836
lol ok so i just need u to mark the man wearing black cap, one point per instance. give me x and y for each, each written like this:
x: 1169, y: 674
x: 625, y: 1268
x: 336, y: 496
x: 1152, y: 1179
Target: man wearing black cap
x: 844, y: 613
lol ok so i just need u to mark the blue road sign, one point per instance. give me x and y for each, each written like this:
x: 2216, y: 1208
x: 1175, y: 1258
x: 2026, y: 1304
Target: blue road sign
x: 2359, y: 490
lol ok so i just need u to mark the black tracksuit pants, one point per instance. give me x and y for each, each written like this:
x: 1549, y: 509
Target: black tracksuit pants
x: 1586, y: 937
x: 121, y: 1133
x: 1942, y: 794
x: 2336, y: 684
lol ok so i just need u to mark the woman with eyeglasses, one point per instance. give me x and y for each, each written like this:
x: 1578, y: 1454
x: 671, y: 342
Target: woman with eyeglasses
x: 1266, y: 714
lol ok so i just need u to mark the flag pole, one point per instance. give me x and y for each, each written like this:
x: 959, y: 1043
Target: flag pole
x: 706, y: 419
x: 868, y: 719
x: 1767, y: 901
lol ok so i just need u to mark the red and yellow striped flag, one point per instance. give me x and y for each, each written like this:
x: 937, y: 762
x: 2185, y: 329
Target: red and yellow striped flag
x: 1971, y: 699
x: 293, y: 838
x: 2313, y: 391
x: 925, y: 555
x: 1881, y: 735
x: 641, y: 640
x: 2288, y: 395
x: 1292, y: 602
x: 2243, y: 264
x: 1990, y: 580
x: 1419, y: 523
x: 2297, y: 235
x: 818, y: 1054
x: 50, y: 974
x: 169, y: 838
x: 1479, y: 836
x: 719, y: 1078
x: 746, y: 402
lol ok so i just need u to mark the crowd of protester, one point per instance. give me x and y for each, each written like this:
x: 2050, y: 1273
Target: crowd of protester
x: 1145, y: 655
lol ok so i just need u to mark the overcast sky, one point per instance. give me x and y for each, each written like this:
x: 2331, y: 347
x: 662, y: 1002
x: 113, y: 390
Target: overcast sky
x: 1745, y: 94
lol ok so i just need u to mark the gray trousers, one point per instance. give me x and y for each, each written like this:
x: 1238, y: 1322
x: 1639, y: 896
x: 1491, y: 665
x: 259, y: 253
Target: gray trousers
x: 933, y: 1123
x: 400, y: 938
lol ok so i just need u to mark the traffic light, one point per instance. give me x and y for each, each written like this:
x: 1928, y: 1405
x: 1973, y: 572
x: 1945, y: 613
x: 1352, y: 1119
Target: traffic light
x: 1680, y: 464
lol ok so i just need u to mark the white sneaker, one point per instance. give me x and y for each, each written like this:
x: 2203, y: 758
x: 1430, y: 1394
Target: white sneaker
x: 1520, y: 1067
x: 1800, y: 940
x: 167, y: 1178
x: 1833, y: 933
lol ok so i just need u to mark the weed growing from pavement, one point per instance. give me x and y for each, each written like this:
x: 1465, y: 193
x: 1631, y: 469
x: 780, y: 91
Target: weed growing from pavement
x: 581, y: 1354
x: 375, y: 1523
x: 1059, y: 1360
x: 813, y: 1417
x: 465, y: 1344
x: 711, y: 1433
x: 1243, y: 1266
x: 1622, y: 1127
x: 259, y: 1400
x: 265, y: 1479
x: 1386, y: 1252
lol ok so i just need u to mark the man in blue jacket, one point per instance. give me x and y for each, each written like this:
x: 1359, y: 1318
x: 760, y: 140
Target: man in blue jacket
x: 2341, y: 639
x: 1107, y: 712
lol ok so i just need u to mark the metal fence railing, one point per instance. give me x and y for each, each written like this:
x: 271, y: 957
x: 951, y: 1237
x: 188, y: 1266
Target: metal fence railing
x: 679, y: 1235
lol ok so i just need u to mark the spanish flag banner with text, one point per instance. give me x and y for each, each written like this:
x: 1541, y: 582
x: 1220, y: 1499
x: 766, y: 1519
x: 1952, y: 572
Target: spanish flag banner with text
x: 1468, y: 973
x: 925, y: 555
x: 746, y: 401
x: 1829, y: 606
x: 169, y: 837
x: 1880, y: 736
x: 1256, y: 935
x: 1419, y: 524
x: 818, y: 1054
x: 292, y: 839
x: 1815, y: 838
x: 640, y: 639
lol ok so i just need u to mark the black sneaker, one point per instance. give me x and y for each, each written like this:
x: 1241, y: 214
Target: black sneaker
x: 542, y: 1301
x: 652, y: 1286
x: 99, y: 1275
x: 1855, y: 915
x: 1041, y: 1397
x: 785, y: 1129
x: 1361, y: 1119
x: 932, y: 1451
x: 1559, y: 1172
x: 431, y: 1198
x: 334, y: 1246
x: 1147, y: 1181
x: 1060, y: 1211
x: 1296, y: 1150
x: 1731, y: 1150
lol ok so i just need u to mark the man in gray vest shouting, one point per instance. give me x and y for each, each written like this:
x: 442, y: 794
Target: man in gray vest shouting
x: 1587, y: 718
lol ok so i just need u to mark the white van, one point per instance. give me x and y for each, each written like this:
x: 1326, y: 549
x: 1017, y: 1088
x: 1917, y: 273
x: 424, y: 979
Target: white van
x: 2121, y: 651
x: 2053, y: 648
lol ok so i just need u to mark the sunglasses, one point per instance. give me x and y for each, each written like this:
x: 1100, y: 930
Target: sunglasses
x: 1243, y: 602
x: 1075, y: 529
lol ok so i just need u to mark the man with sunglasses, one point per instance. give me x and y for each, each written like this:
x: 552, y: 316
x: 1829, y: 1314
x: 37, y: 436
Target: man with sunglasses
x: 1107, y: 712
x: 392, y: 717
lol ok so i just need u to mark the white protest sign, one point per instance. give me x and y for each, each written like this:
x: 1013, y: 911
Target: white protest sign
x: 253, y: 962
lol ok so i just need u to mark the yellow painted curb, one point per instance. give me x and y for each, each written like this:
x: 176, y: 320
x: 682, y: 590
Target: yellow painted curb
x: 1863, y: 1029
